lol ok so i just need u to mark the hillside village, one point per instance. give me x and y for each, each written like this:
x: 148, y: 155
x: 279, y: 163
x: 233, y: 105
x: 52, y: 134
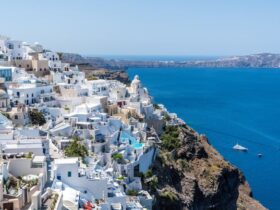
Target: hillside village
x: 71, y: 142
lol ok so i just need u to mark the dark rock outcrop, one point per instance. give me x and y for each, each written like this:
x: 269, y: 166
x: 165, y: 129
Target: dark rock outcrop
x: 94, y: 70
x: 195, y: 176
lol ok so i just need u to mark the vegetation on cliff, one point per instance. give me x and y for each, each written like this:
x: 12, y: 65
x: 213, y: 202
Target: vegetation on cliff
x: 190, y: 174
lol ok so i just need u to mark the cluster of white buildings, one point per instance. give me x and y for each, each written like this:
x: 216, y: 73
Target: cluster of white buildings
x: 116, y: 124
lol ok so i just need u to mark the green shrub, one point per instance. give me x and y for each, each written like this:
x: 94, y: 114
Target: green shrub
x: 117, y: 156
x: 29, y: 155
x: 121, y: 178
x: 168, y: 195
x: 183, y: 164
x: 77, y: 138
x: 156, y: 106
x: 66, y: 108
x: 166, y: 117
x: 170, y: 138
x: 131, y: 192
x: 149, y: 173
x: 76, y: 149
x: 153, y: 183
x: 36, y: 117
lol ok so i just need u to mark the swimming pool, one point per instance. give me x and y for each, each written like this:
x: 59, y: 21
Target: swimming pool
x: 131, y: 140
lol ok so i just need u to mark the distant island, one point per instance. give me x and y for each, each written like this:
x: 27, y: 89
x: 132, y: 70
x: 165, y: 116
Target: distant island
x: 262, y: 60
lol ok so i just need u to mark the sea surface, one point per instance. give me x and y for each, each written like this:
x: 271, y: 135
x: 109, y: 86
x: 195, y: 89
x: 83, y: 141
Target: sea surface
x: 230, y: 106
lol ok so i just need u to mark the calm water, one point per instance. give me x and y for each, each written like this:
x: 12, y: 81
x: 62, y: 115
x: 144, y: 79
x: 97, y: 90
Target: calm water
x: 229, y: 106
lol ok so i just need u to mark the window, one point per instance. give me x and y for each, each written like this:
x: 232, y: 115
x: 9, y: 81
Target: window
x: 58, y: 177
x: 37, y: 165
x: 10, y: 46
x: 69, y: 174
x: 16, y: 117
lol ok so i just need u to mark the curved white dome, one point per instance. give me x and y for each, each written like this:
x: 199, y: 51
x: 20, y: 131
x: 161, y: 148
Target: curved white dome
x: 136, y: 79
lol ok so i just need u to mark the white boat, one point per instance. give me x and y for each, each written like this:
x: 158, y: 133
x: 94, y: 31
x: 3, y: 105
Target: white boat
x: 240, y: 148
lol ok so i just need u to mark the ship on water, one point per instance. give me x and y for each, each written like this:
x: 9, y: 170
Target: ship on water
x: 240, y: 148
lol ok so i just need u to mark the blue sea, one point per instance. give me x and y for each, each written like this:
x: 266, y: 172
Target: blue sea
x: 230, y: 106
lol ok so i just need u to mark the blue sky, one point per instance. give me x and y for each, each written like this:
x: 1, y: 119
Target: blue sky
x: 146, y: 27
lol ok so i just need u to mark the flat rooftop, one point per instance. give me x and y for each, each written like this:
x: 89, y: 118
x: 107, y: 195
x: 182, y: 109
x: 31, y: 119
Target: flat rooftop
x: 66, y: 161
x: 39, y: 159
x: 23, y: 146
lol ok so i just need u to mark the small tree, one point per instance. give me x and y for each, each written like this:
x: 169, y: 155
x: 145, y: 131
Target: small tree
x: 36, y: 117
x: 149, y: 174
x: 131, y: 192
x: 76, y: 149
x: 170, y: 138
x: 153, y: 183
x: 156, y: 106
x: 166, y: 117
x: 117, y: 156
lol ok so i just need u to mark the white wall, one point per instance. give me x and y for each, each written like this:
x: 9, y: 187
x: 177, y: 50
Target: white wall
x: 96, y: 187
x: 146, y: 160
x: 22, y: 167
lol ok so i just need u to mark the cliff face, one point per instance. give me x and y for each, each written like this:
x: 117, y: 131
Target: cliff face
x: 190, y: 174
x: 94, y: 70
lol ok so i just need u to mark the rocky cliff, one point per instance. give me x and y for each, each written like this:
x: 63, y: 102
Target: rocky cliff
x: 190, y: 174
x: 94, y: 70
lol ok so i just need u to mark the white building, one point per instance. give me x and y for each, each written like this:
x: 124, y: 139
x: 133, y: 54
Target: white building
x: 69, y: 172
x: 13, y: 49
x: 6, y: 128
x: 53, y: 60
x: 29, y: 91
